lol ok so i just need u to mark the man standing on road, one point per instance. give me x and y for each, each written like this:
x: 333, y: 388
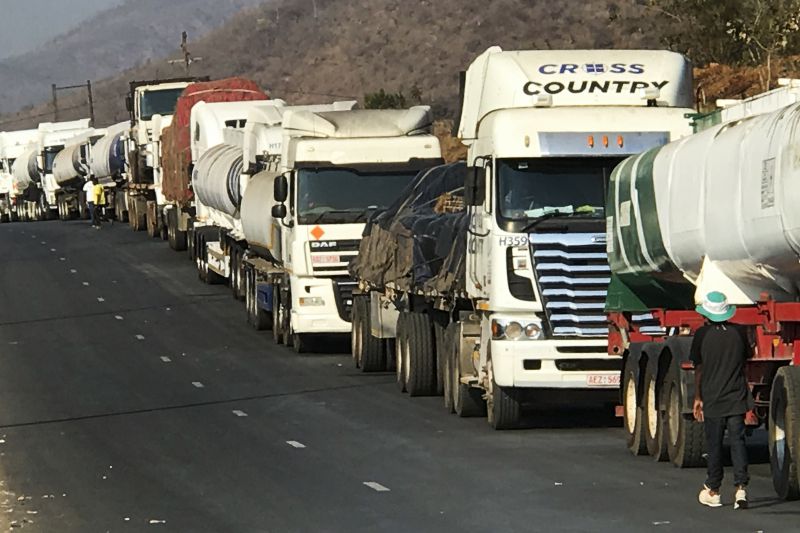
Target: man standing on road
x: 719, y: 351
x: 88, y: 192
x: 99, y: 198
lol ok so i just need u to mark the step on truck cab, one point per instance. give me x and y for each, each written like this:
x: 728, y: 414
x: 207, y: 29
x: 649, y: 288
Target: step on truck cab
x: 12, y: 145
x: 304, y: 213
x: 544, y: 130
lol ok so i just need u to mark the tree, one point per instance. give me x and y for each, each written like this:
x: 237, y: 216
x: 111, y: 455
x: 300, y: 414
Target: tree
x: 384, y: 100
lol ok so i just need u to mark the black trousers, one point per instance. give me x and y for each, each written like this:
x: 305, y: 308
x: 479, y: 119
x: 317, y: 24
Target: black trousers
x: 715, y: 431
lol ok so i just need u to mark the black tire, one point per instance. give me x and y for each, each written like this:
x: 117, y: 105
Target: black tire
x: 372, y: 350
x: 421, y: 369
x: 151, y: 223
x: 633, y: 414
x: 685, y: 436
x: 175, y: 237
x: 191, y: 242
x: 444, y: 357
x: 356, y: 331
x: 784, y: 432
x: 277, y: 315
x: 302, y: 342
x: 256, y: 317
x: 439, y: 351
x: 237, y: 286
x: 401, y: 346
x: 653, y: 418
x: 390, y: 347
x: 467, y: 401
x: 504, y: 408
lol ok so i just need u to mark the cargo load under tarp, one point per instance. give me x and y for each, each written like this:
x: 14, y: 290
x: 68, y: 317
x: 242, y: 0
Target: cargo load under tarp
x: 419, y: 242
x: 176, y: 139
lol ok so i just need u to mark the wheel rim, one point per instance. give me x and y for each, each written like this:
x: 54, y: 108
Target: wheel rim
x: 779, y: 430
x: 630, y: 404
x: 674, y: 414
x: 407, y: 359
x: 652, y: 411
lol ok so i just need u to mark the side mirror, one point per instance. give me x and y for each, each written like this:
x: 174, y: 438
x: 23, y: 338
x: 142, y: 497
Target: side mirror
x: 279, y: 211
x: 281, y: 189
x: 129, y: 103
x: 475, y: 187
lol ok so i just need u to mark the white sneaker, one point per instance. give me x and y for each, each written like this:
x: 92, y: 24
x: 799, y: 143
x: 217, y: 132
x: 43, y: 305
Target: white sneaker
x: 706, y: 498
x: 741, y: 499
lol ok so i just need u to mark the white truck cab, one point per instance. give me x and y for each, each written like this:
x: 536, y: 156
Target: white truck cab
x: 544, y: 129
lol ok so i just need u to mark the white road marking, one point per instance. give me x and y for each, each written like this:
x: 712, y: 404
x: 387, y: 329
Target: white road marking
x: 100, y: 299
x: 85, y: 283
x: 237, y: 412
x: 295, y: 444
x: 152, y: 522
x: 73, y: 271
x: 44, y: 242
x: 166, y: 359
x: 198, y: 385
x: 377, y: 487
x: 118, y: 317
x: 52, y: 249
x: 139, y: 337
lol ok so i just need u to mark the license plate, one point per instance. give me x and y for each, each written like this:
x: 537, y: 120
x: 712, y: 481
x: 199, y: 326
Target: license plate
x: 602, y: 380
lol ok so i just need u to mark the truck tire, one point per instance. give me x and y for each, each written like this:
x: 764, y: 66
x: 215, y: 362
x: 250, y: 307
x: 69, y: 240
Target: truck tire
x: 653, y: 420
x: 503, y: 408
x: 356, y: 331
x: 236, y: 283
x: 372, y: 352
x: 467, y: 401
x: 302, y: 343
x: 152, y: 220
x: 256, y: 317
x: 277, y: 315
x: 633, y: 414
x: 784, y: 432
x: 439, y: 350
x: 390, y: 347
x: 191, y: 242
x: 5, y: 218
x: 421, y: 369
x: 175, y: 237
x: 444, y: 357
x: 685, y: 437
x: 401, y: 352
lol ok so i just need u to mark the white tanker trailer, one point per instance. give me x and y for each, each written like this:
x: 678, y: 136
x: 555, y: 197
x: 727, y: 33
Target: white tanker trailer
x: 12, y: 145
x: 714, y: 211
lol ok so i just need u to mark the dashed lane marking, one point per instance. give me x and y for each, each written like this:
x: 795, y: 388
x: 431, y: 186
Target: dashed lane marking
x: 140, y: 337
x: 73, y: 271
x: 85, y: 283
x: 52, y: 249
x: 295, y: 444
x: 118, y: 317
x: 62, y: 258
x: 198, y: 385
x: 237, y: 412
x: 377, y: 487
x: 166, y: 359
x: 101, y: 299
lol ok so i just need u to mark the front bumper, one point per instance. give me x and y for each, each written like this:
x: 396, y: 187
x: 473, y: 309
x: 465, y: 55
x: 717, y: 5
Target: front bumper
x: 327, y: 312
x: 555, y: 364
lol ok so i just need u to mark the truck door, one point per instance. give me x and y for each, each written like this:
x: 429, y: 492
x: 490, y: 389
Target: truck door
x: 479, y: 254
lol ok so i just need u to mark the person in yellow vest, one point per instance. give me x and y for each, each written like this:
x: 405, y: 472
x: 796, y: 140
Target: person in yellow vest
x: 99, y: 198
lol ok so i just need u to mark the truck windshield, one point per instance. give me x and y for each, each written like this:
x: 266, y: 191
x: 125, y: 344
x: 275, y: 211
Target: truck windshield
x: 341, y: 195
x: 529, y: 189
x: 50, y: 154
x: 159, y: 102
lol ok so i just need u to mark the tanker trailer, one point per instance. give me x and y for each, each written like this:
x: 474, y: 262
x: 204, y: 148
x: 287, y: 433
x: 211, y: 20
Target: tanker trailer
x: 108, y: 164
x: 26, y: 176
x: 12, y: 145
x: 714, y: 211
x: 70, y: 171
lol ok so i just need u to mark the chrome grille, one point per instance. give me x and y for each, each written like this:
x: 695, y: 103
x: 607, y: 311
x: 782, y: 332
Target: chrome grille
x: 573, y: 275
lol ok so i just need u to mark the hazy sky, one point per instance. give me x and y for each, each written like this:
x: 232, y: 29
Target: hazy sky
x: 27, y: 24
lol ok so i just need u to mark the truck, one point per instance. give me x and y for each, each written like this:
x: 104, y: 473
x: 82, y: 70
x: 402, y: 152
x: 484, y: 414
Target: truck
x: 33, y: 169
x: 313, y: 183
x: 12, y: 145
x: 712, y: 212
x: 229, y: 134
x: 150, y: 104
x: 490, y: 290
x: 70, y: 172
x: 171, y: 209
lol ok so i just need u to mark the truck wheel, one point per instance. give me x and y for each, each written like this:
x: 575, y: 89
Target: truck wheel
x: 371, y: 352
x: 237, y: 252
x: 302, y: 342
x: 288, y: 332
x: 444, y: 357
x: 653, y: 420
x: 633, y: 414
x: 439, y: 351
x: 175, y: 237
x: 421, y: 369
x: 256, y: 317
x: 5, y: 218
x: 503, y: 406
x: 684, y: 434
x: 784, y: 432
x: 467, y: 401
x: 401, y: 352
x: 390, y: 347
x: 356, y: 331
x: 152, y: 220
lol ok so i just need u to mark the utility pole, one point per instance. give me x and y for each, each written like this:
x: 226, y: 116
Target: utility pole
x: 187, y: 55
x: 90, y: 100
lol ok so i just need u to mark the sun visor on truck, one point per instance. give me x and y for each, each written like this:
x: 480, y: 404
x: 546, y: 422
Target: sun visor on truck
x: 360, y: 123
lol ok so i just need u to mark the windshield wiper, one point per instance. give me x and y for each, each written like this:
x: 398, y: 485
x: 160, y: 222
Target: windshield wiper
x: 329, y: 212
x: 547, y: 216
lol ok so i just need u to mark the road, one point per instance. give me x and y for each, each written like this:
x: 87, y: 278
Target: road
x: 135, y: 398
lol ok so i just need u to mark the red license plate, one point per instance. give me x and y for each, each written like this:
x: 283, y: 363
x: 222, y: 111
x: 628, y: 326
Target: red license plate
x: 602, y: 380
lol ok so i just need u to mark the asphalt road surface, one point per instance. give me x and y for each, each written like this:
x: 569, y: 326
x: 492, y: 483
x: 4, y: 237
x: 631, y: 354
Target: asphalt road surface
x: 135, y: 398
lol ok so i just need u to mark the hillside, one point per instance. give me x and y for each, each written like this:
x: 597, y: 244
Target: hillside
x: 314, y: 50
x: 113, y: 40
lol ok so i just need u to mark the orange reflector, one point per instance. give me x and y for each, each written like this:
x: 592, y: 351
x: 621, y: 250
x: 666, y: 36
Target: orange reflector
x: 605, y: 141
x: 620, y: 141
x: 687, y: 365
x: 590, y: 140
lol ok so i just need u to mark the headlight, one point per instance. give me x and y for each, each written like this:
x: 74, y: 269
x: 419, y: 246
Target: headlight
x: 514, y: 331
